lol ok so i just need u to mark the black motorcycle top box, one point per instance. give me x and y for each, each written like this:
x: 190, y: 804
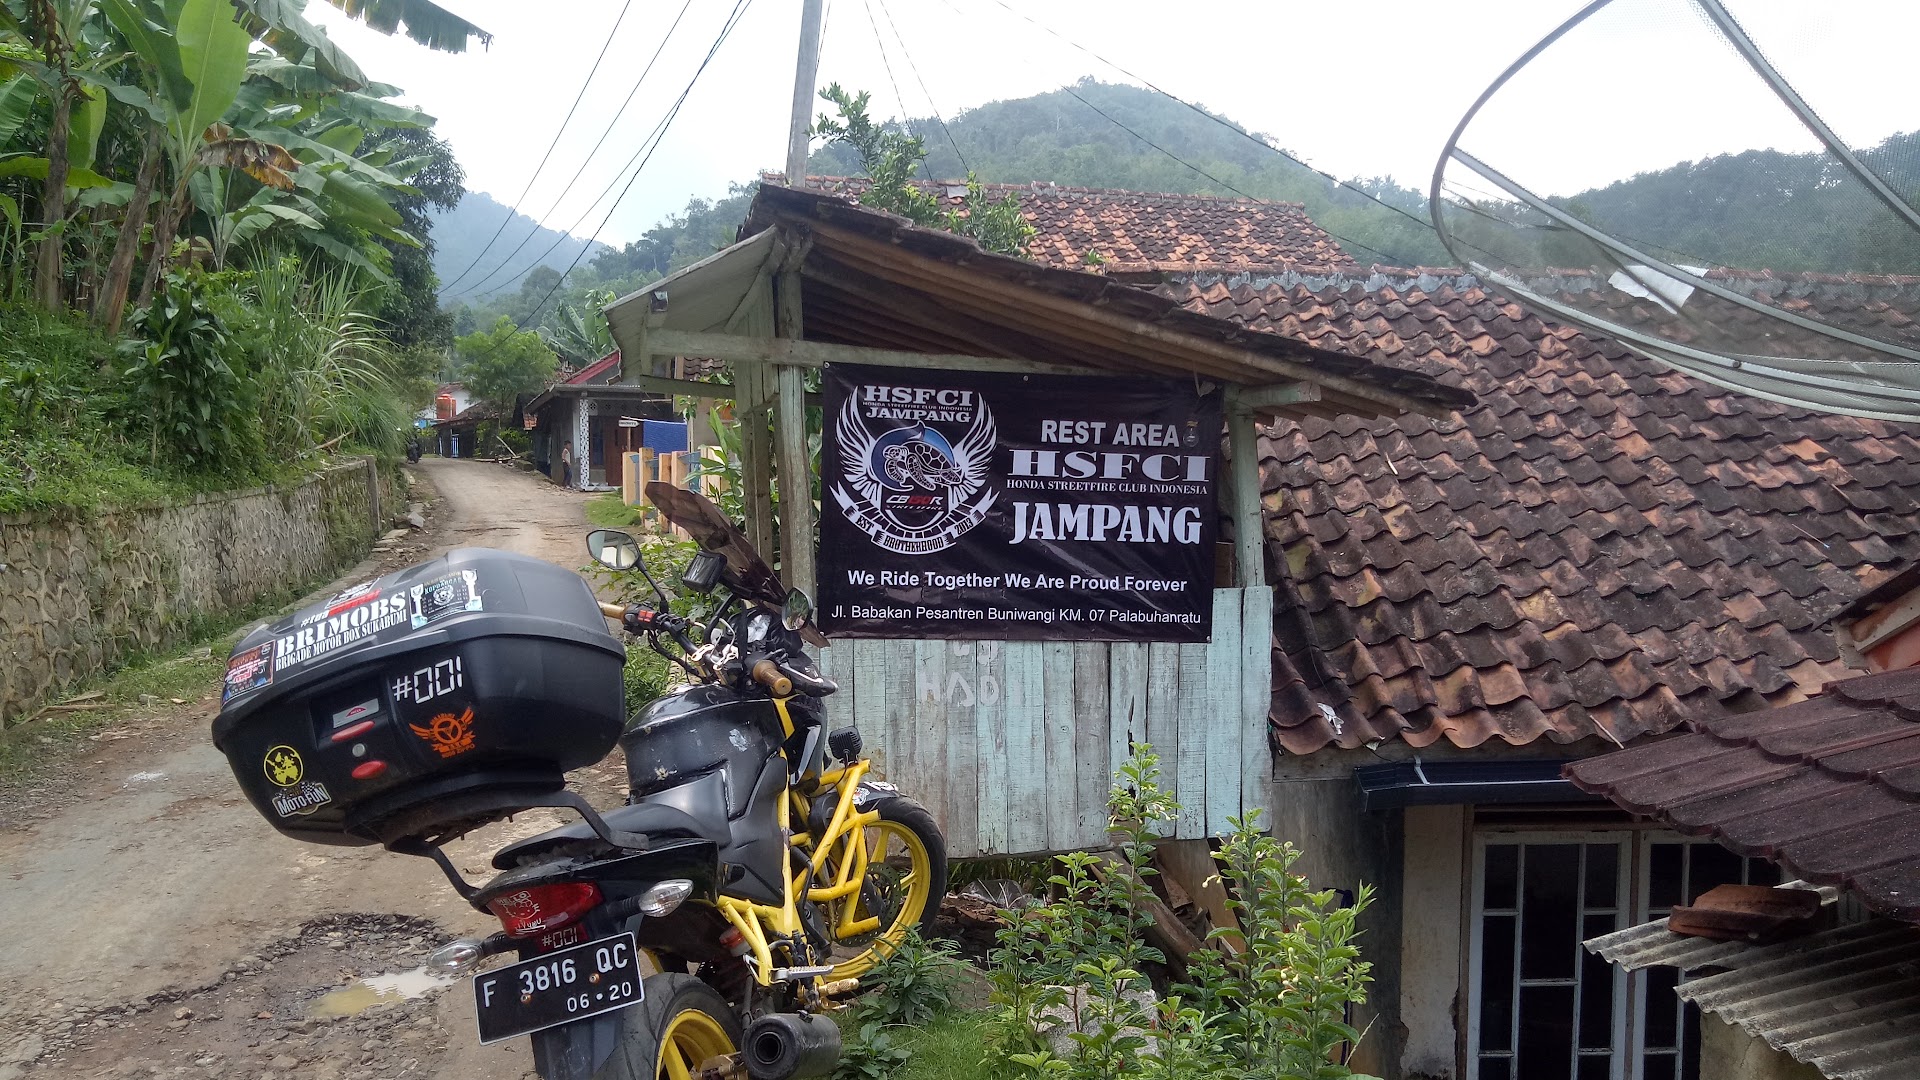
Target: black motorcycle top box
x: 424, y: 703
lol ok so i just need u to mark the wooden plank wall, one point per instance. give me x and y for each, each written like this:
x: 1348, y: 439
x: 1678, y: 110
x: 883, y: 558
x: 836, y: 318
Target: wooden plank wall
x: 1012, y: 744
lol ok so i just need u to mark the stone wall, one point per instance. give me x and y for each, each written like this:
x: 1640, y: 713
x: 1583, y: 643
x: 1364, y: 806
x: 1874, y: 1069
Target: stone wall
x: 79, y: 596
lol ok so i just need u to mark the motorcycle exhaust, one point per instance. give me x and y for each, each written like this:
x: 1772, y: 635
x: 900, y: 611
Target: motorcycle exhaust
x: 790, y: 1046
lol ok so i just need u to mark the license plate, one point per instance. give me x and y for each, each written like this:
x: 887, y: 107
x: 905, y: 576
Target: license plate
x: 558, y: 988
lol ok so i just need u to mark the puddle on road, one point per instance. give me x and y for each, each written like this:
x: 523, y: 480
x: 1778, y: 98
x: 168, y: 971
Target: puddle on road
x: 362, y: 994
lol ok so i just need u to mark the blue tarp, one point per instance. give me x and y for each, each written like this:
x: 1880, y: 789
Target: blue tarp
x: 664, y: 436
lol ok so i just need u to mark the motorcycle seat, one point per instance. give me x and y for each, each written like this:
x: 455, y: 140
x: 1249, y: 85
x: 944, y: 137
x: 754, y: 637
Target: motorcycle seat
x: 697, y: 809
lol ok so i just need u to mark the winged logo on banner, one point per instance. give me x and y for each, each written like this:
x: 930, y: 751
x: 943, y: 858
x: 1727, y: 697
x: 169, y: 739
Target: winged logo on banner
x: 910, y: 488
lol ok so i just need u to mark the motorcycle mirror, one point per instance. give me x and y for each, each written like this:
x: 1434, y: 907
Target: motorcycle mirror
x: 613, y: 549
x: 797, y: 610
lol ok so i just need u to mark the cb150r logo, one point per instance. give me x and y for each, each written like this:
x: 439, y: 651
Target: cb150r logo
x: 912, y: 489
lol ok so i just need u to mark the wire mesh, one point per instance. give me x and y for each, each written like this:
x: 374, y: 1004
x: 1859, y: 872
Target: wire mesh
x: 1729, y: 186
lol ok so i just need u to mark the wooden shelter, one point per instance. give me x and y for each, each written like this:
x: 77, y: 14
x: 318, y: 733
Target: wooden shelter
x: 1011, y: 744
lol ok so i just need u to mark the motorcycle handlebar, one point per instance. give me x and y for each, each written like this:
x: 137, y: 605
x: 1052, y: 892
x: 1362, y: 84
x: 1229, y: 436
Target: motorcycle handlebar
x: 768, y: 674
x: 812, y: 685
x: 612, y: 611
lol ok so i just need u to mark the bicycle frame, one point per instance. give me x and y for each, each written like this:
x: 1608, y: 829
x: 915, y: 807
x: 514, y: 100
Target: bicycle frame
x: 762, y: 924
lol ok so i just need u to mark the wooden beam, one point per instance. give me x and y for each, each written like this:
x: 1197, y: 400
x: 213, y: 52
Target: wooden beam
x: 943, y: 319
x: 790, y: 443
x: 739, y: 348
x: 755, y: 382
x: 757, y: 299
x: 1243, y: 492
x: 796, y: 479
x: 1182, y: 345
x: 1276, y: 395
x: 658, y: 384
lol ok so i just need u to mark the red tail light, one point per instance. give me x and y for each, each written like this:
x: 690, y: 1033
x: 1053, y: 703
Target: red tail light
x: 544, y: 907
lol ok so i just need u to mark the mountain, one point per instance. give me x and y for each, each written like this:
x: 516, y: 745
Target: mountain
x: 1095, y: 134
x: 461, y: 233
x: 1760, y: 209
x: 1764, y: 209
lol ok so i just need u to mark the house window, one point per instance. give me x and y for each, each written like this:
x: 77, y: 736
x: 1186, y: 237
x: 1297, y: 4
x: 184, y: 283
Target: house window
x: 1547, y: 1009
x: 1542, y: 1007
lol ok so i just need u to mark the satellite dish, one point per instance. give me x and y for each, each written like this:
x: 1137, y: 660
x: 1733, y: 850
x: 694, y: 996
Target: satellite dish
x: 1648, y: 171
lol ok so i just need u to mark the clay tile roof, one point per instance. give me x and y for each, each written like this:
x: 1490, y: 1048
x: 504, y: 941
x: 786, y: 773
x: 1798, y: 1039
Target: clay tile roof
x: 1139, y: 232
x: 1598, y: 547
x: 1829, y: 787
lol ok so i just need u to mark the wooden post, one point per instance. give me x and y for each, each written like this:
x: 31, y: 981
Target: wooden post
x: 756, y: 457
x: 790, y: 434
x: 804, y: 74
x: 754, y: 389
x: 1243, y: 494
x: 796, y: 480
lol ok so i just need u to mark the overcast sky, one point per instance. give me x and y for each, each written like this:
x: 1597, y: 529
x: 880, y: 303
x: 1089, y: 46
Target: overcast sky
x: 1359, y: 88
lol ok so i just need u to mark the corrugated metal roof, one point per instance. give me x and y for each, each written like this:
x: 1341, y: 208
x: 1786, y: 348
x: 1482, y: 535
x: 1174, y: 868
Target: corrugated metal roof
x: 1845, y: 1001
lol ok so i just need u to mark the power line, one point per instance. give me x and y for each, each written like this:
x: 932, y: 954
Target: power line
x: 645, y: 148
x: 1176, y: 157
x: 618, y: 19
x: 915, y: 68
x: 648, y: 147
x: 897, y: 95
x: 1242, y: 132
x: 581, y: 171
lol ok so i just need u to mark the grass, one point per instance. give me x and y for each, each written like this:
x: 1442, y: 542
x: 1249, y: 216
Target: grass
x: 607, y: 511
x: 953, y: 1047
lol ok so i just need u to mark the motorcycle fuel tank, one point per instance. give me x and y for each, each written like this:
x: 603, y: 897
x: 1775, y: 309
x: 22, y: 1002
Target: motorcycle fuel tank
x: 698, y: 729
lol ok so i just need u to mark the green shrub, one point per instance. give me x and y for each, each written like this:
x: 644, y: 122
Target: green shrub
x: 870, y: 1053
x: 912, y: 983
x: 1273, y: 1011
x: 181, y: 386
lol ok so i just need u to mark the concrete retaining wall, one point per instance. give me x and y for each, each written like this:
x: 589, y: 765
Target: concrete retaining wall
x: 78, y: 597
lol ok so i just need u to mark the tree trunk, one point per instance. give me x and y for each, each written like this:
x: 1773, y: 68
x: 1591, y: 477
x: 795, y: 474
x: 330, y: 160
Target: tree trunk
x: 164, y: 227
x: 53, y: 199
x: 111, y: 304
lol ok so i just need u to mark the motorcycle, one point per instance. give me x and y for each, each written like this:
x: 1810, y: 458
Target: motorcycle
x: 704, y: 929
x: 413, y: 450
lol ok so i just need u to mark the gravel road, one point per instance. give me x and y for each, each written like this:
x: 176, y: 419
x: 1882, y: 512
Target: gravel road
x: 160, y: 927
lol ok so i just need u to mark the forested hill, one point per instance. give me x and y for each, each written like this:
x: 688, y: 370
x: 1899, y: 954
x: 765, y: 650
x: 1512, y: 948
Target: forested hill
x: 1767, y: 210
x: 1062, y: 137
x: 460, y: 234
x: 1761, y: 209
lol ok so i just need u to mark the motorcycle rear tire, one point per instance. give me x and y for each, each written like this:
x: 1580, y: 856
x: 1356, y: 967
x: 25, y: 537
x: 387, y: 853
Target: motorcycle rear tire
x: 902, y: 817
x: 680, y: 1017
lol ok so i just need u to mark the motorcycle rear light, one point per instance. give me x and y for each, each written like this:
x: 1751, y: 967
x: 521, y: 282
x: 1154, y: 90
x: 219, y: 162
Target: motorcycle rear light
x: 544, y: 907
x: 734, y: 941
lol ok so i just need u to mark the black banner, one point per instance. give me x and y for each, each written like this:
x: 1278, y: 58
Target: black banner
x: 967, y: 504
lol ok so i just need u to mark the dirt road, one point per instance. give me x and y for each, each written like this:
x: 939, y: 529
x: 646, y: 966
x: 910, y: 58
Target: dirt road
x: 159, y: 927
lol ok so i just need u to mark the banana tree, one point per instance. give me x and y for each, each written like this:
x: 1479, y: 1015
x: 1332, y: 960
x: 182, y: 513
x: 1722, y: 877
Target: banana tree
x: 350, y: 170
x: 425, y: 22
x: 197, y: 54
x: 579, y: 332
x: 57, y: 30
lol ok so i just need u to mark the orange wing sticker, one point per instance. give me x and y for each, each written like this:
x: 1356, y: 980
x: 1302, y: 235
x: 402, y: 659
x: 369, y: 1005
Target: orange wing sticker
x: 449, y: 734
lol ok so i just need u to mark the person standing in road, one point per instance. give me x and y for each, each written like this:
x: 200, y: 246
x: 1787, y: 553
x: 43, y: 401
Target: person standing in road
x: 566, y: 464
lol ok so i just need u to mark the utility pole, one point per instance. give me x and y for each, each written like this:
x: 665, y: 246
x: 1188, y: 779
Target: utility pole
x: 805, y: 72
